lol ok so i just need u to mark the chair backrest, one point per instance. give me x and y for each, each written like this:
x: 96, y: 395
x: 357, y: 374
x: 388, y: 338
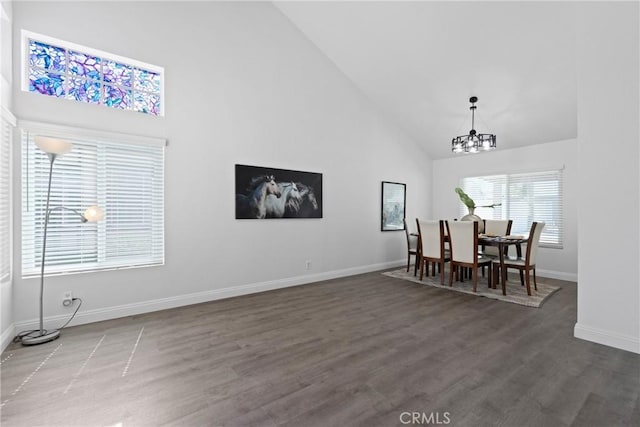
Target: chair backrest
x: 496, y: 227
x: 412, y: 241
x: 431, y: 238
x: 532, y: 243
x: 463, y: 240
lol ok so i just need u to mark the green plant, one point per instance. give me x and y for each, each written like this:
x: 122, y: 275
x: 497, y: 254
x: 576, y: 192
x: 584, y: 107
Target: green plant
x: 468, y: 201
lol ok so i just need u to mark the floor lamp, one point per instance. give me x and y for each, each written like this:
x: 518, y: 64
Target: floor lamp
x: 54, y: 148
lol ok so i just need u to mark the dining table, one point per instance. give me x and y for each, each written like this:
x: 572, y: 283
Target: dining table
x: 501, y: 242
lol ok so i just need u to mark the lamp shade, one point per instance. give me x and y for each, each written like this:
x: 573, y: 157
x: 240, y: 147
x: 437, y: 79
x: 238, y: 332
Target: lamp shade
x: 93, y: 214
x: 52, y: 145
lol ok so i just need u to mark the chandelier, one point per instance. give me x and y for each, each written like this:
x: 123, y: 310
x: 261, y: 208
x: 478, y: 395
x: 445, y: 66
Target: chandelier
x: 474, y: 142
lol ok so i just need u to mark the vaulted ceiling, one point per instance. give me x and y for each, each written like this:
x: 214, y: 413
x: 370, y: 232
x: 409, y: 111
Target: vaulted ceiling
x: 419, y: 62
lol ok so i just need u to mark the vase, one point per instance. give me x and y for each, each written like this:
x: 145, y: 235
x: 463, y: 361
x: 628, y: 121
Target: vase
x: 473, y: 217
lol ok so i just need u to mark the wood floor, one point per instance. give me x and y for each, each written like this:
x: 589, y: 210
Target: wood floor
x: 367, y: 350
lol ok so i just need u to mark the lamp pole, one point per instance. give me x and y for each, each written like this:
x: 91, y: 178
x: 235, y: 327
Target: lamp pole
x: 44, y: 336
x: 53, y: 148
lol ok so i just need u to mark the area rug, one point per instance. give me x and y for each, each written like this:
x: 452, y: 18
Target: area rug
x: 516, y: 293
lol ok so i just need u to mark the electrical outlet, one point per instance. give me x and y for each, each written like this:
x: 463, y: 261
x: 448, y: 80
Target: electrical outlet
x: 67, y: 299
x: 308, y: 265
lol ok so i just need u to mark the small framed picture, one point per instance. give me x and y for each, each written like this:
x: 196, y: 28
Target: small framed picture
x: 394, y: 200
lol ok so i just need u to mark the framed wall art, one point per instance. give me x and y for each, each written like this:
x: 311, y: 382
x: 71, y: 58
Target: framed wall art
x: 394, y: 200
x: 270, y: 193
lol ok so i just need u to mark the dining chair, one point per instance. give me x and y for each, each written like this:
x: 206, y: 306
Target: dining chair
x: 412, y: 247
x: 495, y: 227
x: 463, y: 243
x: 432, y: 249
x: 528, y: 263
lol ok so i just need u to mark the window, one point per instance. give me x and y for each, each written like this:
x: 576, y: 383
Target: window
x: 7, y: 122
x: 65, y: 70
x: 525, y: 198
x: 124, y: 175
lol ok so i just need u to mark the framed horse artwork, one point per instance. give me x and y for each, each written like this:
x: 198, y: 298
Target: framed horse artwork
x: 271, y: 193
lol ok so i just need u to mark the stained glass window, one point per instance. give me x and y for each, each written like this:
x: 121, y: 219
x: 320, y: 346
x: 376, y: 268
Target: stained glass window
x: 117, y: 73
x: 63, y: 70
x: 84, y: 90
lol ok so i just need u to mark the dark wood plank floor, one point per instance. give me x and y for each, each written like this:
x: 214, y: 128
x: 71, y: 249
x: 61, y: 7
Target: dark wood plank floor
x: 367, y: 350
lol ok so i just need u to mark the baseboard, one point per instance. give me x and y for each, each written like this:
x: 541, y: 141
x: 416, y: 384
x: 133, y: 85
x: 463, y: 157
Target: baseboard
x: 560, y: 275
x: 611, y: 339
x: 7, y: 336
x: 108, y: 313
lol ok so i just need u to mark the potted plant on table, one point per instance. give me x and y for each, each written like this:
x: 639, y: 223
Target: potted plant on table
x: 471, y: 206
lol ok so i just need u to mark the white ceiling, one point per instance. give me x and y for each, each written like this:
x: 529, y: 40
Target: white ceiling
x: 419, y: 62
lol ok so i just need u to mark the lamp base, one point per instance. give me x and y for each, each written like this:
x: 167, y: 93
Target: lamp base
x: 41, y: 339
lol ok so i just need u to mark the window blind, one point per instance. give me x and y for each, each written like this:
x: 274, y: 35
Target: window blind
x: 125, y: 179
x: 524, y: 198
x: 7, y: 123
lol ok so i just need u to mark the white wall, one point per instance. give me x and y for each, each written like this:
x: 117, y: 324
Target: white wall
x: 608, y: 195
x: 242, y: 86
x: 447, y: 175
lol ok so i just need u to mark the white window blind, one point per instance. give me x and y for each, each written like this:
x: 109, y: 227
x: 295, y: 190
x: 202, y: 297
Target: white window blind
x: 7, y: 123
x: 524, y: 198
x: 124, y: 178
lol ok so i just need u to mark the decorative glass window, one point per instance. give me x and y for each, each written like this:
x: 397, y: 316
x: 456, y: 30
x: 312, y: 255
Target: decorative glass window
x: 66, y: 70
x: 524, y: 198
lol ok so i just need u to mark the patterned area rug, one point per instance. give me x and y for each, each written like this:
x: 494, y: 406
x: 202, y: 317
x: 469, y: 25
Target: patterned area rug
x: 516, y: 293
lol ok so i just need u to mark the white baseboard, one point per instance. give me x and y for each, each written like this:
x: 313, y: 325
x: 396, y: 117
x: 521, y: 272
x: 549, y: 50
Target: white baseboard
x: 115, y: 312
x: 611, y: 339
x: 560, y: 275
x: 7, y: 337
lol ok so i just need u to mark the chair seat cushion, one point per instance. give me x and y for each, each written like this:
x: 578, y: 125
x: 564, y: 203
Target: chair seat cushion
x: 484, y: 259
x: 514, y: 261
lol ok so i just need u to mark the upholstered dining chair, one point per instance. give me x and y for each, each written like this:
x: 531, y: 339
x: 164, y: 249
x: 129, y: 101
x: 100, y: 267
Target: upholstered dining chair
x: 432, y: 248
x: 495, y: 227
x: 412, y: 248
x: 528, y: 264
x: 463, y: 242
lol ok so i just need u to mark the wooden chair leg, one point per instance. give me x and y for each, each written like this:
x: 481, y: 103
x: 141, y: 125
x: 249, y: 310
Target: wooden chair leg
x: 521, y: 278
x: 408, y: 261
x: 451, y: 270
x: 489, y: 278
x: 474, y: 278
x: 494, y: 268
x: 433, y: 268
x: 528, y: 285
x: 415, y: 265
x: 535, y: 282
x: 421, y: 268
x: 441, y: 270
x: 483, y: 271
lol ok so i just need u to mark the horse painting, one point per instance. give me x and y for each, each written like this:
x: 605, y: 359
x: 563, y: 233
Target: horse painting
x: 305, y: 207
x: 295, y: 194
x: 252, y: 205
x: 291, y: 199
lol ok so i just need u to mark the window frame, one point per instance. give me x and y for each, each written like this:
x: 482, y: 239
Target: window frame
x: 9, y: 120
x: 509, y: 178
x: 91, y: 136
x: 70, y: 46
